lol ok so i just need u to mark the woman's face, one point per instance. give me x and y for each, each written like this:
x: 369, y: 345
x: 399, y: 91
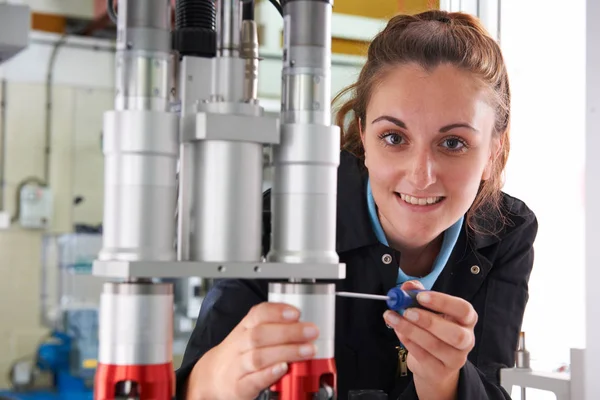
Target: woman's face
x: 428, y: 145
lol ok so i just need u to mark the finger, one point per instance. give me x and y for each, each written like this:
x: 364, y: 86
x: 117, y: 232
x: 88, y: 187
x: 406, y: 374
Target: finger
x: 270, y: 313
x: 427, y: 364
x: 448, y: 331
x: 412, y: 285
x: 258, y: 359
x: 459, y: 309
x: 443, y: 352
x: 250, y: 386
x: 266, y: 335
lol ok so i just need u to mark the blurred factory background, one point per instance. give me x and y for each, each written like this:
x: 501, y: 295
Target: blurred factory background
x: 53, y: 95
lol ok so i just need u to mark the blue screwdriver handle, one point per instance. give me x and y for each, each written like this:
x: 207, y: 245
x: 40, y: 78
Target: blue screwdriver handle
x: 402, y: 299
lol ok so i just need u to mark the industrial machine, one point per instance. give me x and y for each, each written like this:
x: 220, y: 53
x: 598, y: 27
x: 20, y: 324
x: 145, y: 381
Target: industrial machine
x: 215, y: 148
x: 183, y: 190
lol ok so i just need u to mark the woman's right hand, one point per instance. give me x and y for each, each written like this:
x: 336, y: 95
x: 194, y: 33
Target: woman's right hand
x: 254, y: 355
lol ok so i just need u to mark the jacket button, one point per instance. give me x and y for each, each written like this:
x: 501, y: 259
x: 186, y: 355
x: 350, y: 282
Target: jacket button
x: 386, y: 259
x: 475, y: 269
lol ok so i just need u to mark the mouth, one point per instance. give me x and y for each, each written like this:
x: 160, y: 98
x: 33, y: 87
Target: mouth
x: 419, y: 201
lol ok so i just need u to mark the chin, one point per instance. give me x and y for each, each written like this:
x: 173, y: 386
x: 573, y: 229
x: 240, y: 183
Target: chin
x: 417, y: 236
x: 419, y: 227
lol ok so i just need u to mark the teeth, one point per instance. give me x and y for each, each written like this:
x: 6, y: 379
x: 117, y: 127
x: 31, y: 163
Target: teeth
x: 420, y: 201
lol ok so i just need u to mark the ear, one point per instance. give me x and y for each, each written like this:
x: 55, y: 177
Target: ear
x: 495, y: 149
x: 362, y: 134
x: 362, y: 139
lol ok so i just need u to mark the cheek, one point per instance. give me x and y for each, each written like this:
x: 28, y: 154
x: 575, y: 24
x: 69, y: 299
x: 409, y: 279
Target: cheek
x: 463, y: 180
x: 383, y: 170
x: 378, y: 161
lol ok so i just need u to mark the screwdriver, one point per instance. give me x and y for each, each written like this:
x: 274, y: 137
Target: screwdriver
x: 396, y: 298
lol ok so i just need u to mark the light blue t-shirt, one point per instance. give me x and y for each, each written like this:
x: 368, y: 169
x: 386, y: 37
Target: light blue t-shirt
x: 448, y: 243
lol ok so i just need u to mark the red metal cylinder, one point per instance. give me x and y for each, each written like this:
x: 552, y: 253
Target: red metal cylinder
x: 305, y: 378
x: 154, y: 382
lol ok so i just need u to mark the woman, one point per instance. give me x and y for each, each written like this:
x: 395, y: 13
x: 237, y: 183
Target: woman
x: 419, y: 205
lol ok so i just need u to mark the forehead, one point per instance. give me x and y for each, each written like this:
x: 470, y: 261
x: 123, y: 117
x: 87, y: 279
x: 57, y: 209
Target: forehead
x: 444, y: 92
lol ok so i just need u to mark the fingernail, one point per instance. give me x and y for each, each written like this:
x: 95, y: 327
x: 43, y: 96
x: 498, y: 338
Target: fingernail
x: 307, y: 350
x: 290, y: 314
x: 423, y: 297
x: 279, y: 369
x: 411, y: 315
x: 310, y: 332
x: 391, y: 318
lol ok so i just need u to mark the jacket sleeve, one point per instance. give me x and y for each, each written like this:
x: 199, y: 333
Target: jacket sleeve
x: 225, y: 305
x: 507, y: 296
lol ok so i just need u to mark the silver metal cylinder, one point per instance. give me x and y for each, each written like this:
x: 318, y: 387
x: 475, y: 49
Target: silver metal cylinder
x: 140, y: 149
x: 316, y: 303
x: 136, y: 324
x: 230, y: 80
x: 227, y: 201
x: 522, y: 356
x: 306, y: 90
x: 144, y: 81
x: 249, y: 52
x: 304, y: 193
x: 229, y: 20
x: 144, y: 62
x: 141, y: 139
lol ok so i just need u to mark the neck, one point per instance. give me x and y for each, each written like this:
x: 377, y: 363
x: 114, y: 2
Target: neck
x: 418, y: 261
x: 417, y: 258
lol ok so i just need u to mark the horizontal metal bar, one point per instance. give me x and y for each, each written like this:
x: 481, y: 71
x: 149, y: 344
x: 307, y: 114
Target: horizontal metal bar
x: 182, y: 269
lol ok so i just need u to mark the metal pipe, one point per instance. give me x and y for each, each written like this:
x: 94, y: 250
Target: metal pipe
x: 144, y: 60
x: 229, y: 22
x: 3, y: 124
x: 249, y: 52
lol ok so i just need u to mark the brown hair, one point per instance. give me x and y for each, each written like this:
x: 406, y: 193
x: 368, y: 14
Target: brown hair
x: 429, y: 39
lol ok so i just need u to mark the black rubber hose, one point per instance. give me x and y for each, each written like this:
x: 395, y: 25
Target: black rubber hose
x: 248, y: 10
x: 195, y: 14
x: 195, y: 28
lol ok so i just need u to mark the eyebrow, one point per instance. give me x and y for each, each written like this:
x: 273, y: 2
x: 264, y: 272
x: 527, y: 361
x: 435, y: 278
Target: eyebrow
x: 402, y: 125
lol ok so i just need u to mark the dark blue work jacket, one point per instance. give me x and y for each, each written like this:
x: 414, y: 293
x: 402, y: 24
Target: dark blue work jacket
x: 489, y: 271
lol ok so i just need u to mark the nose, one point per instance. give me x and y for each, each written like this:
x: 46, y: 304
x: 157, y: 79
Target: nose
x: 421, y: 173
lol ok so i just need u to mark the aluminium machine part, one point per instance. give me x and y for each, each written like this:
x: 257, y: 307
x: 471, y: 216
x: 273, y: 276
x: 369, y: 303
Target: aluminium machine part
x: 141, y: 150
x: 304, y: 190
x: 222, y: 132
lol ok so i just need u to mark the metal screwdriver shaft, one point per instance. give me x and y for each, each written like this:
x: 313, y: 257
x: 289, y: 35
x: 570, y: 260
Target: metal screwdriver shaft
x: 363, y: 296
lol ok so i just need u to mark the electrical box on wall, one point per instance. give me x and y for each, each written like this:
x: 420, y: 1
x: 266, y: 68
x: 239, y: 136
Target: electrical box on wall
x: 35, y: 207
x: 4, y: 220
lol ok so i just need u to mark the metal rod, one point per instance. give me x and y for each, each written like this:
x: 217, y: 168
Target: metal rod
x: 362, y: 296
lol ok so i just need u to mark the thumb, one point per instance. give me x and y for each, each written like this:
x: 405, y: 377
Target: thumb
x: 412, y: 285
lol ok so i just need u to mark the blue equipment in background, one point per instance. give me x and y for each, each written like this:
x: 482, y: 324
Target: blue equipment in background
x: 58, y: 356
x: 64, y: 363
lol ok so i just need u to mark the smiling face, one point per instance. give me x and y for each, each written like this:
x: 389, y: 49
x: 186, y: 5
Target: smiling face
x: 428, y: 140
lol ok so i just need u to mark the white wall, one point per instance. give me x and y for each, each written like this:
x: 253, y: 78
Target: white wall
x: 544, y: 46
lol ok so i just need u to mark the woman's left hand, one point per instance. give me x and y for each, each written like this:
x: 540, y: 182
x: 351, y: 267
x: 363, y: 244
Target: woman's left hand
x: 437, y: 344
